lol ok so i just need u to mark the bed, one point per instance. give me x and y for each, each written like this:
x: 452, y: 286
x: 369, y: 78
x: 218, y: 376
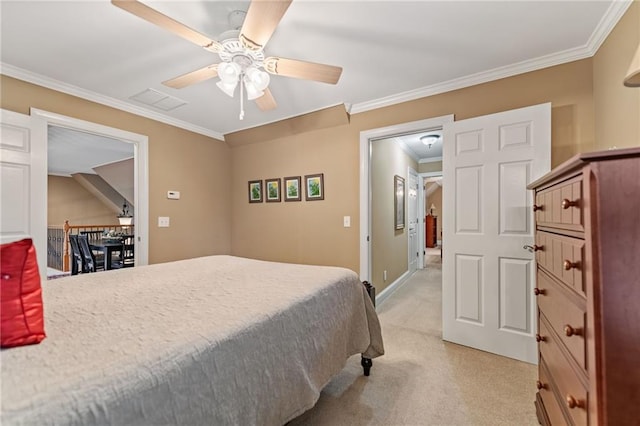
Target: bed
x: 216, y: 340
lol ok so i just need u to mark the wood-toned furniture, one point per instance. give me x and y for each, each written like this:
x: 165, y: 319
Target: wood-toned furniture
x: 431, y: 229
x: 587, y: 245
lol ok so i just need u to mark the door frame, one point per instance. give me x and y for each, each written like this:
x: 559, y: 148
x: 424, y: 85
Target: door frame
x: 419, y: 220
x: 140, y: 172
x: 367, y: 137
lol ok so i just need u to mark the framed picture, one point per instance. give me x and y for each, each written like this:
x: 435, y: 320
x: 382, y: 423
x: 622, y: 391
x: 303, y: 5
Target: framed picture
x: 292, y: 188
x: 272, y: 190
x: 255, y: 191
x: 398, y: 198
x: 314, y: 185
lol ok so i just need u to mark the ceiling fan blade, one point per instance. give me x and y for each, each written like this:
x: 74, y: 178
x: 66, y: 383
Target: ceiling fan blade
x: 151, y: 15
x: 266, y: 102
x: 302, y: 69
x: 193, y: 77
x: 261, y: 21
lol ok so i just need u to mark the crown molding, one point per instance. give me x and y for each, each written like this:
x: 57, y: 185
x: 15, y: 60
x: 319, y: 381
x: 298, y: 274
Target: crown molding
x: 40, y: 80
x: 430, y: 160
x: 606, y: 24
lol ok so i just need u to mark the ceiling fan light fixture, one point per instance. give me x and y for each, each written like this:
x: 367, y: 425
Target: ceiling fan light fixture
x: 259, y: 79
x: 228, y: 88
x: 252, y: 91
x: 229, y: 72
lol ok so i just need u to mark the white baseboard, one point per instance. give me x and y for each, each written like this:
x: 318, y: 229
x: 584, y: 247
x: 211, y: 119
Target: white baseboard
x: 391, y: 288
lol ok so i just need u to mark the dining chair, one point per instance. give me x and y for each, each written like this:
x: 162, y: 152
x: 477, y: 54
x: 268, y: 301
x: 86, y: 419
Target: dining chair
x: 77, y: 261
x: 127, y: 255
x: 92, y: 264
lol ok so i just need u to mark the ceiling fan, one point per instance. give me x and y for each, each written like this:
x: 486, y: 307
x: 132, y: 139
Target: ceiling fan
x: 243, y: 62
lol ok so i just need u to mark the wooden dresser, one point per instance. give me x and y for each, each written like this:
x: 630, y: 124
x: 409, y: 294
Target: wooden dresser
x: 431, y: 230
x: 587, y: 245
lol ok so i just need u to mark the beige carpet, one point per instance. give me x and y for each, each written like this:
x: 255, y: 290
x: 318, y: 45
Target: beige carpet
x: 422, y: 380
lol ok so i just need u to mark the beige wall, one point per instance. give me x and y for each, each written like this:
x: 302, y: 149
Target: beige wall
x: 436, y: 166
x: 313, y: 232
x: 197, y: 166
x: 389, y: 247
x: 68, y: 200
x: 214, y: 215
x: 617, y: 108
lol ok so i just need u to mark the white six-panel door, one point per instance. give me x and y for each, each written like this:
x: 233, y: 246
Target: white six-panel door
x: 488, y: 277
x: 23, y: 184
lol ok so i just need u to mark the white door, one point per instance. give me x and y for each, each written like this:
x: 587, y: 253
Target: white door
x: 488, y: 278
x: 412, y: 217
x: 23, y: 165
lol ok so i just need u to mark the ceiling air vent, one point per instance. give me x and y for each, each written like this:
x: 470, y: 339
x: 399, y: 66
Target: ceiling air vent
x: 158, y: 100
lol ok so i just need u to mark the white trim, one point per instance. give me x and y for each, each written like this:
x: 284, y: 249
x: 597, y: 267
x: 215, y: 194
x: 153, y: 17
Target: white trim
x: 60, y: 86
x: 430, y: 160
x: 365, y: 185
x: 141, y: 169
x: 606, y: 24
x: 391, y: 288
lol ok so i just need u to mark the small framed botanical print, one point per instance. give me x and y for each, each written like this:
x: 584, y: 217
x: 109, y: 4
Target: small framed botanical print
x: 255, y: 191
x: 292, y: 188
x: 272, y: 190
x: 314, y: 186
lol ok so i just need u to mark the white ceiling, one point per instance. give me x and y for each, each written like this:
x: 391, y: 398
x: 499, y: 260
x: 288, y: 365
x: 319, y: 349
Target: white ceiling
x: 391, y: 51
x: 71, y: 151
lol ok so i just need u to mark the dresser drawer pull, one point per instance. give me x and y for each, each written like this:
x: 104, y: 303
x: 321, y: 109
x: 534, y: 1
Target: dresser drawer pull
x: 540, y: 338
x: 540, y: 385
x: 539, y: 291
x: 568, y: 265
x: 533, y: 248
x: 538, y: 207
x: 573, y: 403
x: 570, y: 331
x: 566, y: 204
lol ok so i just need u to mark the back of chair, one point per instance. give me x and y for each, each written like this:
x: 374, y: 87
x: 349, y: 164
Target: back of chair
x: 77, y: 260
x: 87, y: 254
x: 128, y: 251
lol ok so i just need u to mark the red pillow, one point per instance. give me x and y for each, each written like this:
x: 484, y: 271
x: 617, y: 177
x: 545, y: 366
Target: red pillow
x: 20, y: 295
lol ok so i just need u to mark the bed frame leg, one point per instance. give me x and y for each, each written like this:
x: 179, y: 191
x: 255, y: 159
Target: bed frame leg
x: 366, y: 365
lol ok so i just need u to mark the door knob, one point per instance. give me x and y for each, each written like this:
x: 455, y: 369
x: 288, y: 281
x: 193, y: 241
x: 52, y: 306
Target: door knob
x: 532, y: 248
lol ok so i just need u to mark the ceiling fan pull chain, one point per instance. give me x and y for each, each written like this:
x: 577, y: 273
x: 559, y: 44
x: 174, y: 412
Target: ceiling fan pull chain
x: 241, y: 96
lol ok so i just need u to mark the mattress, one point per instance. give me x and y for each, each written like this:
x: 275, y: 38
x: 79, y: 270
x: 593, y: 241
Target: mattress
x: 216, y: 340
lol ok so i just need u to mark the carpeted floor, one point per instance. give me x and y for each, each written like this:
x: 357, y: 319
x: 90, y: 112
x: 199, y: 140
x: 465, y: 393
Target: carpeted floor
x: 422, y: 380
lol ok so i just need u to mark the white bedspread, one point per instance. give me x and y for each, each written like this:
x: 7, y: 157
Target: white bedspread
x: 217, y: 340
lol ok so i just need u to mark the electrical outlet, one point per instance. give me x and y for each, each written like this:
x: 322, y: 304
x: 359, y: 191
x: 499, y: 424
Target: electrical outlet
x: 163, y: 221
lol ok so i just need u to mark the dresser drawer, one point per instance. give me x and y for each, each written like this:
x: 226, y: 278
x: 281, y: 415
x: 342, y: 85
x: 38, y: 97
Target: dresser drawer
x: 572, y: 392
x: 563, y: 257
x: 549, y: 399
x: 567, y: 319
x: 560, y: 206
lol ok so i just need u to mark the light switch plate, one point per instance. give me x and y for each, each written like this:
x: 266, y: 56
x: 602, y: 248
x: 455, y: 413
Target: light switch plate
x: 163, y: 221
x: 347, y: 221
x: 173, y: 195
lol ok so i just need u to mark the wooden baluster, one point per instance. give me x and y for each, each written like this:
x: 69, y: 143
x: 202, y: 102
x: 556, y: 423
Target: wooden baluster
x: 65, y: 256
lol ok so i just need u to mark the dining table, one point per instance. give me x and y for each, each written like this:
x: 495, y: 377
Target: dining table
x: 107, y: 247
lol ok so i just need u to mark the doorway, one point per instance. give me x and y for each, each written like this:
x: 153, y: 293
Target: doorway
x: 45, y: 120
x: 367, y: 243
